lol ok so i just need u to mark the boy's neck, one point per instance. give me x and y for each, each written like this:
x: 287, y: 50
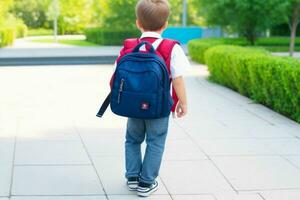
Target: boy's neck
x: 158, y: 32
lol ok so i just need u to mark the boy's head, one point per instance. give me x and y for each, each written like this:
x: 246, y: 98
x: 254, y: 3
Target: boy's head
x: 152, y: 15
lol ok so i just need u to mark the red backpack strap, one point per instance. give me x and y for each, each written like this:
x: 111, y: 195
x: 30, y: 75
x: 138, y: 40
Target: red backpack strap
x: 165, y: 49
x: 128, y: 46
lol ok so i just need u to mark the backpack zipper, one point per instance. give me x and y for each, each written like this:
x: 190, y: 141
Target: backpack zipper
x: 120, y: 90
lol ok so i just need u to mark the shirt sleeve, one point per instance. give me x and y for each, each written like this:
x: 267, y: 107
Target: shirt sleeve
x: 179, y: 62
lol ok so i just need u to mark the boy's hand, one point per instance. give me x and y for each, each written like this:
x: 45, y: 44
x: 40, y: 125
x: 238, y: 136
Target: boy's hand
x: 181, y: 110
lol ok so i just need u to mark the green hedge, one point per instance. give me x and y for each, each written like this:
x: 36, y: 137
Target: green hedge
x: 103, y: 36
x: 198, y: 47
x: 21, y: 30
x: 270, y: 80
x: 276, y: 41
x: 7, y: 36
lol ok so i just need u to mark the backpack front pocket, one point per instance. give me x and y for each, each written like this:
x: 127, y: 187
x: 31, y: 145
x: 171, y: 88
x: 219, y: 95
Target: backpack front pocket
x: 135, y: 105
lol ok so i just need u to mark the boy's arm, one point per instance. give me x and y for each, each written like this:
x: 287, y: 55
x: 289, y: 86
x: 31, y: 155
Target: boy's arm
x: 179, y: 86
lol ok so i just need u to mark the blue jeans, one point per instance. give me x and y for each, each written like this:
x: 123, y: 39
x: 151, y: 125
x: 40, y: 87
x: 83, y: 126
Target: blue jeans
x: 155, y: 131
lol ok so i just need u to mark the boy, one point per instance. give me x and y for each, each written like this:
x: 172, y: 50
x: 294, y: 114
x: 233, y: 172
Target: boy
x: 152, y: 19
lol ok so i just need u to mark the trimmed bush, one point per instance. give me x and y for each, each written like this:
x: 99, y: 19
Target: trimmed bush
x: 103, y: 36
x: 7, y: 36
x: 270, y: 80
x: 21, y: 30
x: 198, y: 47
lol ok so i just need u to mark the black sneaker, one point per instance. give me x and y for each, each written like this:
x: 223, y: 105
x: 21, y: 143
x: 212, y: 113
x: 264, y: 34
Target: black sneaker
x: 145, y: 189
x: 132, y: 183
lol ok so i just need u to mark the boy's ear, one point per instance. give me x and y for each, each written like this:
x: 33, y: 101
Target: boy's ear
x: 138, y: 25
x: 165, y: 26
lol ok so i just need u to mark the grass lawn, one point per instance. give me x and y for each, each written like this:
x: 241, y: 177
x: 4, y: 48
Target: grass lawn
x: 82, y: 43
x: 280, y: 48
x: 40, y: 32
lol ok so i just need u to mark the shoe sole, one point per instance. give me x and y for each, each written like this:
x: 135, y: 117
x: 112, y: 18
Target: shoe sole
x: 132, y: 189
x: 146, y: 194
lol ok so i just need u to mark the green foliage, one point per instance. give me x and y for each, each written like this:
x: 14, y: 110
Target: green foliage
x: 115, y: 14
x: 276, y: 41
x: 283, y: 30
x: 248, y: 18
x: 75, y: 15
x: 198, y: 47
x: 40, y: 32
x: 4, y: 7
x: 21, y: 30
x: 32, y: 12
x: 104, y: 36
x: 272, y: 81
x: 7, y: 36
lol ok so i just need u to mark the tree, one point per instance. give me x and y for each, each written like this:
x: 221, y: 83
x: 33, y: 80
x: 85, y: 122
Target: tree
x: 115, y: 14
x: 293, y: 15
x: 33, y: 12
x: 74, y: 15
x: 249, y: 18
x: 4, y: 8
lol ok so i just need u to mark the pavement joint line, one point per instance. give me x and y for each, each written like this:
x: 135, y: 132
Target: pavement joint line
x: 14, y: 157
x: 90, y: 158
x: 60, y: 195
x: 50, y: 165
x: 261, y: 196
x: 243, y: 191
x: 283, y: 156
x: 209, y: 158
x: 162, y: 181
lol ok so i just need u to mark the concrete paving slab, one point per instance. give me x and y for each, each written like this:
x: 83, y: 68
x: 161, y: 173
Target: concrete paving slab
x: 226, y: 196
x: 193, y: 177
x: 295, y: 160
x: 135, y: 197
x: 222, y: 147
x: 281, y: 194
x: 248, y: 173
x: 56, y: 180
x: 289, y: 146
x: 193, y: 197
x: 104, y: 144
x: 6, y: 150
x: 59, y: 198
x: 182, y: 150
x: 5, y: 180
x: 40, y: 152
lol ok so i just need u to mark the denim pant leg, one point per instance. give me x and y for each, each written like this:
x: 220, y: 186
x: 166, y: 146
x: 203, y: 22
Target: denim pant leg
x: 135, y: 136
x: 156, y: 133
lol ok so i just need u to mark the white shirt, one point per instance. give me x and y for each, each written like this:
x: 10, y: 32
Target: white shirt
x: 179, y: 61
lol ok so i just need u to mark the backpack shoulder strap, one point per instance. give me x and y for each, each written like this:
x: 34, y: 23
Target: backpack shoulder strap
x: 165, y: 48
x: 128, y: 45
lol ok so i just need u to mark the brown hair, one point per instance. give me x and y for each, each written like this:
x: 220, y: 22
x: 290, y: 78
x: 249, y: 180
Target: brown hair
x: 152, y: 14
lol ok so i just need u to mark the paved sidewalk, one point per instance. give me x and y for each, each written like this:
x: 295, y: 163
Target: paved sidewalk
x: 26, y: 48
x: 52, y: 147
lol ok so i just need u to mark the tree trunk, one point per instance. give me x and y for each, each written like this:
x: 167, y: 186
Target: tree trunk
x: 293, y: 27
x: 251, y: 36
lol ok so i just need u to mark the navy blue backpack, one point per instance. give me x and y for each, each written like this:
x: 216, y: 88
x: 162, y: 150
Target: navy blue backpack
x: 140, y: 86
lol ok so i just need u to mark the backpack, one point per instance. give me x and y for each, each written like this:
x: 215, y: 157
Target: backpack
x: 140, y: 86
